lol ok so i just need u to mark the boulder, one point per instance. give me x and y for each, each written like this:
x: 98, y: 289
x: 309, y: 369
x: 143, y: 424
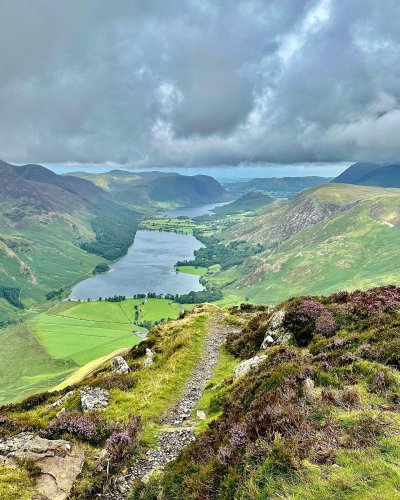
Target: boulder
x: 119, y: 365
x: 245, y: 366
x: 59, y: 462
x: 276, y: 333
x: 94, y: 398
x: 149, y: 358
x: 201, y: 415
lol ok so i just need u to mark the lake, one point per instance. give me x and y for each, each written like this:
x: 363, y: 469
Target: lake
x: 147, y: 267
x: 190, y: 211
x: 149, y: 264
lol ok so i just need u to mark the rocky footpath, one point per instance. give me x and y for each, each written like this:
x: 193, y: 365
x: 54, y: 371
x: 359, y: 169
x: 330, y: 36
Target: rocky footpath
x: 178, y: 432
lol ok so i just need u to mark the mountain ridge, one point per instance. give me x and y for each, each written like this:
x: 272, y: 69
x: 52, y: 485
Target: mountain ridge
x: 385, y: 175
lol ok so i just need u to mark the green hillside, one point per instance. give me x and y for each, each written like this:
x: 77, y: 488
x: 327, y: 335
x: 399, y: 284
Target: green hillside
x: 54, y: 230
x: 328, y: 238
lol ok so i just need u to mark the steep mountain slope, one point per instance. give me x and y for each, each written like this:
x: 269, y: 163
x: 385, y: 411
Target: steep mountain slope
x: 81, y: 187
x: 48, y: 224
x: 331, y: 237
x: 280, y: 187
x: 159, y: 188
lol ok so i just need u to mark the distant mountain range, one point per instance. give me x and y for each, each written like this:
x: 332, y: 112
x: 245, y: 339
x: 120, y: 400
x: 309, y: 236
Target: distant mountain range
x: 279, y: 187
x: 152, y: 188
x: 371, y: 174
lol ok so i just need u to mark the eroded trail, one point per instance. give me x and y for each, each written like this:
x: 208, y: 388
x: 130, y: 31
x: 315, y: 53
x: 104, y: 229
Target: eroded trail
x: 178, y: 427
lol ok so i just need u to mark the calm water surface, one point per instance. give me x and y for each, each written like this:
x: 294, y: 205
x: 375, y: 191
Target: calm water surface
x: 149, y: 264
x: 147, y: 267
x: 191, y: 211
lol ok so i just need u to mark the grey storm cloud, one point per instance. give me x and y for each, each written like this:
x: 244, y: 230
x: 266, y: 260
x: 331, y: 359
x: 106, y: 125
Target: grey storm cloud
x: 199, y: 82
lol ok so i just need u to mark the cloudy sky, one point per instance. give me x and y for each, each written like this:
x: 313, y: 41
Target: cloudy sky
x: 148, y: 83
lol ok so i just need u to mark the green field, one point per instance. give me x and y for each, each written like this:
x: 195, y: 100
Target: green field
x: 184, y: 226
x: 196, y: 270
x: 154, y: 309
x: 52, y: 345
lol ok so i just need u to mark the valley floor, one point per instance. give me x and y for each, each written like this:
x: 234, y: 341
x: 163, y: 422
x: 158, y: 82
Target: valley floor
x: 48, y: 347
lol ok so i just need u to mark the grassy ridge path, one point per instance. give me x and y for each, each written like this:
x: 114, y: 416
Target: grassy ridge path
x: 177, y: 430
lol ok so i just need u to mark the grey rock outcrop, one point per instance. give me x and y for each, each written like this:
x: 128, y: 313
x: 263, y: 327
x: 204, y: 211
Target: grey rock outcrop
x: 119, y: 365
x: 149, y: 358
x: 94, y: 398
x: 59, y: 461
x: 276, y: 333
x: 245, y: 366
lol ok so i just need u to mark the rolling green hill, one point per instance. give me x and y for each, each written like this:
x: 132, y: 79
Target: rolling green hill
x: 251, y: 201
x: 328, y: 238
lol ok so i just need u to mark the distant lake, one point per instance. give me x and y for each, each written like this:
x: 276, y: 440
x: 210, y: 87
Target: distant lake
x: 190, y: 211
x: 147, y: 267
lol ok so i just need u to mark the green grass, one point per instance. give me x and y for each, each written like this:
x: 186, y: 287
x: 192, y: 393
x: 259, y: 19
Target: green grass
x: 358, y: 474
x: 25, y: 366
x: 223, y: 370
x: 15, y: 483
x: 196, y: 270
x: 184, y: 226
x: 81, y: 340
x: 156, y: 309
x: 115, y: 312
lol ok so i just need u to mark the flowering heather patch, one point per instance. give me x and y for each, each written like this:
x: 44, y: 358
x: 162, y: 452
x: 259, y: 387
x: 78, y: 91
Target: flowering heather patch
x: 123, y: 440
x: 302, y: 316
x: 88, y: 428
x: 384, y: 299
x: 225, y: 455
x: 119, y: 445
x: 238, y: 435
x: 326, y: 325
